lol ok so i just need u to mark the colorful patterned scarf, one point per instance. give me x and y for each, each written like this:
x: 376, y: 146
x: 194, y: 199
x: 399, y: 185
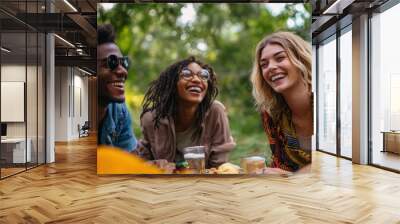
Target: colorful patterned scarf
x: 285, y: 147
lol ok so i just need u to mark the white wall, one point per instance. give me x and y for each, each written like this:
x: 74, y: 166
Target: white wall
x: 61, y: 103
x: 71, y: 94
x: 13, y: 73
x: 80, y: 97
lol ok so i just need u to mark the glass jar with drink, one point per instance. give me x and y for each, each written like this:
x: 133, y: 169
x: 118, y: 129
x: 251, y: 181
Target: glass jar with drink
x: 195, y: 157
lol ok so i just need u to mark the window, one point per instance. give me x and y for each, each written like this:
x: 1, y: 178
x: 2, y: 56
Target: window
x: 385, y: 88
x: 22, y: 75
x: 346, y: 94
x: 327, y: 96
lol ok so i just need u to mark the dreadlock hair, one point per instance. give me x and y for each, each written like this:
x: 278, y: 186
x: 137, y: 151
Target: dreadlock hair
x: 105, y: 34
x: 162, y: 95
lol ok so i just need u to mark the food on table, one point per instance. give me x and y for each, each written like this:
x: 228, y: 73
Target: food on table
x: 228, y: 168
x: 212, y: 171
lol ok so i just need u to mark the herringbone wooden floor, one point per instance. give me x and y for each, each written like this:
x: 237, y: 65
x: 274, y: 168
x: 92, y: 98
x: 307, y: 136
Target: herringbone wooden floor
x: 69, y: 191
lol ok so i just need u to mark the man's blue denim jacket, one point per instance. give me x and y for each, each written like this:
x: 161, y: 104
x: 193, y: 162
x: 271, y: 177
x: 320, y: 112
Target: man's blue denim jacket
x: 116, y: 128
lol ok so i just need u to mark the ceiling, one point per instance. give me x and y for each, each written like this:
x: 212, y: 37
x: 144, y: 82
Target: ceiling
x: 330, y: 15
x: 72, y: 20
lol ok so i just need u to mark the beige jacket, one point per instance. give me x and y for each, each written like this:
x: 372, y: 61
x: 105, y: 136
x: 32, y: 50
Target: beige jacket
x: 160, y: 143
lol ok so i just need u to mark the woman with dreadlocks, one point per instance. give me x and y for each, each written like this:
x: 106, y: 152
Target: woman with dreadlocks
x: 180, y: 110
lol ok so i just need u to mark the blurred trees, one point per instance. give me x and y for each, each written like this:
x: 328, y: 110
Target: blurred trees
x: 222, y: 35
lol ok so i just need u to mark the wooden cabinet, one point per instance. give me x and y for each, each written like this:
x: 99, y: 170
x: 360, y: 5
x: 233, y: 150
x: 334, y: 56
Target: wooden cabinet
x: 391, y: 142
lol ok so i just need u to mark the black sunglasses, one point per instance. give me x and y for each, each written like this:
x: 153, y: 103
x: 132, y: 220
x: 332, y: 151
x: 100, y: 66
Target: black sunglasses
x: 112, y: 62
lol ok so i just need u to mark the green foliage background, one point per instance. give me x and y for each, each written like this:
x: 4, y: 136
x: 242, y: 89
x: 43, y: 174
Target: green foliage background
x: 154, y: 36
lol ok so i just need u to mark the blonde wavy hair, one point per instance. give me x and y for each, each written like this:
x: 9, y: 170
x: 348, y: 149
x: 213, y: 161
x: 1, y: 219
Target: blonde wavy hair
x: 299, y: 54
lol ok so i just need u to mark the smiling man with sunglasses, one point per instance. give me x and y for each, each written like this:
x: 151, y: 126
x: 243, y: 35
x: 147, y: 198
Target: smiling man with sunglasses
x: 112, y: 69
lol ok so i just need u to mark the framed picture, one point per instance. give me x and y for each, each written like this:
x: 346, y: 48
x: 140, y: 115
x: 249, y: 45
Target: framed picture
x: 184, y: 88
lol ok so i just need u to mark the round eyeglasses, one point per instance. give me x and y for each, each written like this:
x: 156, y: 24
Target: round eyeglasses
x: 188, y: 74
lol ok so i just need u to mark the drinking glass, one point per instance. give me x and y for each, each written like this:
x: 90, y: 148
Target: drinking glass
x: 195, y: 157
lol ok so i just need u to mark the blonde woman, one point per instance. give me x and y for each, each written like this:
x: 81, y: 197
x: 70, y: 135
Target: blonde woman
x: 281, y: 79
